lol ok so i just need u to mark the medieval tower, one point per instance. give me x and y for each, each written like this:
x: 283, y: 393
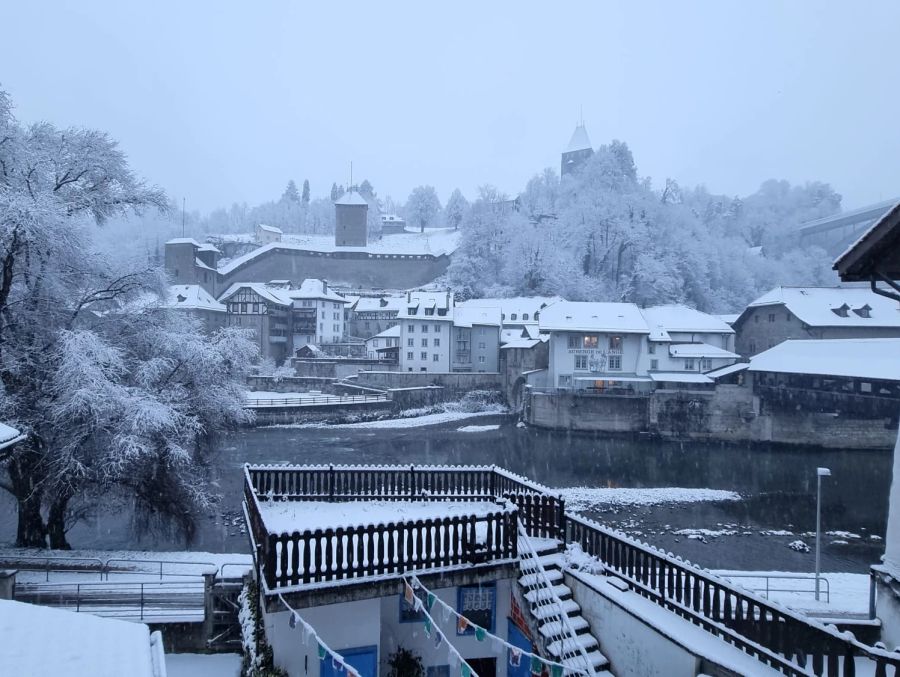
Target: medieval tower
x: 351, y: 211
x: 577, y: 152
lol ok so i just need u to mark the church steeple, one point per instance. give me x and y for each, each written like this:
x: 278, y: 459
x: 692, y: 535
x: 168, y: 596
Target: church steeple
x: 578, y: 150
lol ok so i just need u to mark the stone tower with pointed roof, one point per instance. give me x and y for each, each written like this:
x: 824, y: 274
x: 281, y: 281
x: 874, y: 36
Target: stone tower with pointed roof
x: 577, y: 152
x: 350, y: 229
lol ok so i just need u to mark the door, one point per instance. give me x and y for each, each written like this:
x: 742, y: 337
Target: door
x: 517, y: 638
x: 364, y: 660
x: 483, y: 667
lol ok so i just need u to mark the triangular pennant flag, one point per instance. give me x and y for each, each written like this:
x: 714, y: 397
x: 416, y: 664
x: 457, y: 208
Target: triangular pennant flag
x: 438, y: 638
x: 408, y: 593
x: 430, y: 600
x: 466, y: 671
x: 480, y: 633
x: 322, y: 652
x: 336, y: 665
x: 427, y: 627
x: 462, y: 625
x: 515, y: 657
x: 536, y: 665
x: 497, y: 644
x: 416, y: 584
x: 556, y: 671
x: 293, y: 620
x: 452, y: 656
x: 447, y: 612
x: 417, y: 605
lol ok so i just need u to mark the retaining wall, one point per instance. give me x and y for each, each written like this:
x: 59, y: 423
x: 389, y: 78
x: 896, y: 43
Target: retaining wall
x: 452, y: 382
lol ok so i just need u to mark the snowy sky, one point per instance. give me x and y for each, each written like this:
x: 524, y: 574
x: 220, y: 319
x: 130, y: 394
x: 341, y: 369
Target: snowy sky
x: 223, y: 102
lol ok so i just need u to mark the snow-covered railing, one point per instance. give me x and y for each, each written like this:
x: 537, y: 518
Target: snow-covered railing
x: 787, y: 641
x: 540, y: 509
x: 312, y: 401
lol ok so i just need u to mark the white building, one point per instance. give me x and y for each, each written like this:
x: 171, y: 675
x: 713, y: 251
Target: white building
x: 318, y: 314
x: 389, y: 338
x: 268, y: 234
x: 593, y: 345
x: 476, y: 339
x: 517, y: 313
x: 426, y: 320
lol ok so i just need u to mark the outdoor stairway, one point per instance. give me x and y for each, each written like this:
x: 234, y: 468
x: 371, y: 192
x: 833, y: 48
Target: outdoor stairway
x: 567, y: 635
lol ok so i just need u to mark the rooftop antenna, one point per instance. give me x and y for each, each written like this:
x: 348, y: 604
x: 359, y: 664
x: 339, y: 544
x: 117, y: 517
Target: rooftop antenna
x: 351, y: 176
x: 182, y: 217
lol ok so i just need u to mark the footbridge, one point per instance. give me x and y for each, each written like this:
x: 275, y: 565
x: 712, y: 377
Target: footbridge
x: 837, y: 232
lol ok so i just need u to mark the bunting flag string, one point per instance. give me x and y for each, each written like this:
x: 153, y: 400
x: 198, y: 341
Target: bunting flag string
x: 481, y: 634
x: 455, y: 658
x: 338, y: 664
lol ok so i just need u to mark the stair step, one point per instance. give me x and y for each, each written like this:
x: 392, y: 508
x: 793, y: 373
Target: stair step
x: 570, y: 647
x: 597, y: 659
x: 569, y: 606
x: 531, y: 580
x: 553, y: 628
x: 555, y: 560
x: 539, y: 594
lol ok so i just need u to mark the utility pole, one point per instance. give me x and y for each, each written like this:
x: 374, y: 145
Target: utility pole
x: 182, y: 216
x: 820, y: 473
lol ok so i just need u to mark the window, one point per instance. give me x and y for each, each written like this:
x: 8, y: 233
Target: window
x: 615, y: 343
x: 756, y: 318
x: 244, y: 308
x: 590, y: 342
x: 705, y: 364
x: 651, y: 348
x: 437, y: 329
x: 423, y: 368
x: 255, y: 310
x: 429, y: 311
x: 513, y: 316
x: 424, y: 328
x: 409, y: 355
x: 411, y: 328
x: 689, y: 364
x: 424, y: 343
x: 481, y: 345
x: 337, y: 305
x: 477, y: 602
x: 771, y: 317
x: 336, y: 316
x: 424, y: 355
x: 410, y: 343
x: 323, y: 314
x: 321, y: 327
x: 336, y: 328
x: 480, y: 358
x: 437, y: 343
x: 654, y: 364
x: 787, y: 317
x: 752, y: 346
x: 408, y: 613
x: 525, y: 317
x: 581, y: 362
x: 435, y: 357
x: 482, y: 331
x: 615, y: 362
x: 412, y: 311
x: 574, y: 342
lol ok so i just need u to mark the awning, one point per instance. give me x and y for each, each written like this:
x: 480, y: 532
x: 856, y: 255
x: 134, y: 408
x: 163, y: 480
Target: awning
x: 730, y: 369
x: 617, y: 379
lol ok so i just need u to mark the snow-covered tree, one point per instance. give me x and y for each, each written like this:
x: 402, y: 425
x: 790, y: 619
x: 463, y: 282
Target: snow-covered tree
x: 291, y: 194
x: 304, y: 198
x: 456, y: 208
x: 423, y: 207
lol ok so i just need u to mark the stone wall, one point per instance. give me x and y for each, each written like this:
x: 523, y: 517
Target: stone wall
x: 454, y: 383
x: 564, y: 410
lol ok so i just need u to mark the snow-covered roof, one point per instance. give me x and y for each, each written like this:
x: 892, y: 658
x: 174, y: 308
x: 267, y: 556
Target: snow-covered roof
x: 368, y: 304
x: 433, y: 242
x: 700, y: 350
x: 725, y: 371
x: 392, y: 218
x: 200, y: 264
x: 272, y: 294
x: 521, y: 343
x: 579, y: 140
x: 679, y: 318
x: 418, y: 301
x: 520, y: 306
x: 815, y: 306
x: 390, y: 332
x: 679, y: 377
x: 312, y: 288
x: 728, y: 318
x: 270, y: 229
x: 45, y: 642
x: 9, y: 436
x: 209, y: 247
x: 351, y: 197
x: 876, y: 359
x: 622, y: 318
x: 467, y: 317
x: 184, y: 240
x: 192, y: 297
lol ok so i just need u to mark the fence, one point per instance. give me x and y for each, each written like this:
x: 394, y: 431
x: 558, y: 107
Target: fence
x: 767, y: 588
x: 311, y: 401
x: 774, y: 635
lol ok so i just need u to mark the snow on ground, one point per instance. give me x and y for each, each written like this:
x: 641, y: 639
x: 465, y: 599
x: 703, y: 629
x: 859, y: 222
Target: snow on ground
x: 477, y: 428
x: 585, y: 498
x: 849, y: 593
x: 203, y: 665
x: 401, y: 422
x: 287, y: 516
x: 44, y: 642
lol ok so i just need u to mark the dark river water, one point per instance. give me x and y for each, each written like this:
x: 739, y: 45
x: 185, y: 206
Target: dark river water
x: 777, y: 488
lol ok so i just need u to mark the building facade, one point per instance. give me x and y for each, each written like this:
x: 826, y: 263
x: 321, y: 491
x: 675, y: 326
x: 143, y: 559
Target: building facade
x: 267, y: 234
x: 801, y: 313
x: 318, y: 314
x: 195, y: 301
x: 476, y: 340
x: 370, y: 315
x: 426, y: 321
x: 577, y: 152
x: 351, y: 213
x: 264, y: 309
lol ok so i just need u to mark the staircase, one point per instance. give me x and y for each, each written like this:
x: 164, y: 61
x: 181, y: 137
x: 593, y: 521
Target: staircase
x: 565, y: 634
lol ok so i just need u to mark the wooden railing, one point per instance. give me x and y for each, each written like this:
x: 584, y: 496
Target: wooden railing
x: 788, y: 642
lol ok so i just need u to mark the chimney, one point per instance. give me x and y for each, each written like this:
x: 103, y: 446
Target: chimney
x: 324, y: 286
x: 409, y: 297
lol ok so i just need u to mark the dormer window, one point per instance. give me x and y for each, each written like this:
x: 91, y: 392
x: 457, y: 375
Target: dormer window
x: 442, y: 311
x: 525, y: 317
x: 841, y: 311
x: 513, y: 316
x: 429, y: 311
x: 412, y: 310
x: 181, y: 299
x: 865, y: 311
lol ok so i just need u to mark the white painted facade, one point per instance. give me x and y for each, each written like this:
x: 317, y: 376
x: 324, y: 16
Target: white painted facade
x: 318, y: 314
x: 389, y: 338
x: 267, y: 234
x: 426, y: 320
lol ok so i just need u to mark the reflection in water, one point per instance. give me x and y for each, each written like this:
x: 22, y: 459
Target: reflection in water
x: 777, y: 486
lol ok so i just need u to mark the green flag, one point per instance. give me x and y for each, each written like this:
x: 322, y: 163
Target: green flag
x: 322, y: 652
x: 536, y: 665
x: 427, y: 626
x: 556, y: 671
x: 466, y: 671
x: 429, y: 601
x: 480, y: 634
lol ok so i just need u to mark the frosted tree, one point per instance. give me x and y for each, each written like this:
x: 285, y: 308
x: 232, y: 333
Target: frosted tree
x: 304, y: 198
x: 291, y: 194
x: 456, y: 209
x: 423, y: 207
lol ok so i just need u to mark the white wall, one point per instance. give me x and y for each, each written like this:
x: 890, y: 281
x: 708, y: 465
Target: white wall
x: 562, y: 358
x: 412, y: 329
x: 346, y: 625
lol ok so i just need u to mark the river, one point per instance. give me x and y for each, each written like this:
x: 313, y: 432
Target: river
x: 776, y: 487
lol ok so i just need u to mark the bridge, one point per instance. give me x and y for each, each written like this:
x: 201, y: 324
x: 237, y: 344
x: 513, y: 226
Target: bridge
x: 837, y: 232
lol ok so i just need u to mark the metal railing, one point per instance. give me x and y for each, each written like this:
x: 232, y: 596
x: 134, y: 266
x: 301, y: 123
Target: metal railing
x: 314, y: 400
x: 62, y: 566
x: 767, y: 588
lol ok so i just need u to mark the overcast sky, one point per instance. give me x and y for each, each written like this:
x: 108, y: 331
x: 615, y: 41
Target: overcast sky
x: 224, y: 102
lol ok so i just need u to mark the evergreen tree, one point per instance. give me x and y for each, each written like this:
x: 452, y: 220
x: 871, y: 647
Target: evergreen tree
x: 305, y: 197
x: 335, y: 192
x: 291, y: 194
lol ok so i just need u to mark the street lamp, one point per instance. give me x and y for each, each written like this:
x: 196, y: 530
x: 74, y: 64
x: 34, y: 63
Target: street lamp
x: 820, y: 473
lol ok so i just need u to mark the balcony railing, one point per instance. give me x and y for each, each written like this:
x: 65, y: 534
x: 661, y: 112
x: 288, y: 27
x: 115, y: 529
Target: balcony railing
x: 321, y: 555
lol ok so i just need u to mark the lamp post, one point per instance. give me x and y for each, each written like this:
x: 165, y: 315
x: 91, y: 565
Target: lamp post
x: 820, y: 473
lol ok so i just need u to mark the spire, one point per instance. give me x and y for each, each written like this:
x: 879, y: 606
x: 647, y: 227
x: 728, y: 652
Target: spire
x: 579, y: 140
